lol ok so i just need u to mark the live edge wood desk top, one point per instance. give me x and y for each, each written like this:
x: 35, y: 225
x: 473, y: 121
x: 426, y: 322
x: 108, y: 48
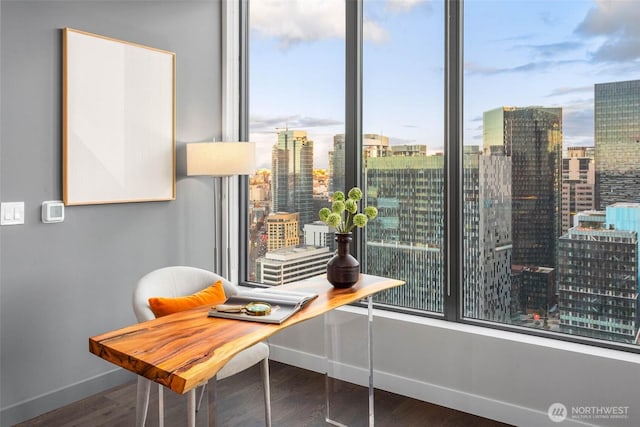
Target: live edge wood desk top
x: 183, y: 350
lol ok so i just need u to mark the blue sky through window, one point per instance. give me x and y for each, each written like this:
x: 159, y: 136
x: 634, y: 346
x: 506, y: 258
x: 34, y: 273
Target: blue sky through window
x: 517, y: 53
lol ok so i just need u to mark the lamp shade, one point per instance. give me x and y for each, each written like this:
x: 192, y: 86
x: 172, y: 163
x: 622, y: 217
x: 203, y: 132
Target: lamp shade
x: 221, y: 158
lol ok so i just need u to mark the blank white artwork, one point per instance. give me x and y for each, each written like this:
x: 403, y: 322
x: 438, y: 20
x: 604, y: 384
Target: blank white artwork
x: 119, y: 121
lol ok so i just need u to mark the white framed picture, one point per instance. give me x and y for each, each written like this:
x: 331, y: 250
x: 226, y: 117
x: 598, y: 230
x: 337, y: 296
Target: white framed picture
x: 118, y: 121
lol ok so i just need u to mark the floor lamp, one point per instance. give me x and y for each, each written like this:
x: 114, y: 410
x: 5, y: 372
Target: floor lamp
x: 222, y: 160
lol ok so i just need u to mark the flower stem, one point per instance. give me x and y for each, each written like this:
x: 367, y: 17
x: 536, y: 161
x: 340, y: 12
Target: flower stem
x: 349, y: 222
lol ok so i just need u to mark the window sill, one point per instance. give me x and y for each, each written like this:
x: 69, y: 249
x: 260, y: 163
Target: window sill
x: 515, y: 337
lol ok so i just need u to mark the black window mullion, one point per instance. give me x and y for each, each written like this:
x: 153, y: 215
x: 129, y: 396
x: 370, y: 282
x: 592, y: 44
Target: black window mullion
x: 353, y: 104
x: 453, y: 242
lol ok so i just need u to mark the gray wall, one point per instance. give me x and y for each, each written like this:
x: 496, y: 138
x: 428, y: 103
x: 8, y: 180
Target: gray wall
x: 505, y: 376
x: 62, y: 283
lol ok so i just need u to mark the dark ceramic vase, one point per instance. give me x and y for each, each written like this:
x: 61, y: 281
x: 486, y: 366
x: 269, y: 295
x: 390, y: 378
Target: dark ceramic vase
x: 343, y: 270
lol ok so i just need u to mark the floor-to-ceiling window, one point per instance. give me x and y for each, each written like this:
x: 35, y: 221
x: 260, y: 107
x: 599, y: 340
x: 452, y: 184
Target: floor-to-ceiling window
x: 549, y: 186
x: 297, y: 120
x: 403, y: 149
x: 552, y: 165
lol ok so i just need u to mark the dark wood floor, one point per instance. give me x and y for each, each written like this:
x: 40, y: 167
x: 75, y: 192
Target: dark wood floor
x: 297, y: 401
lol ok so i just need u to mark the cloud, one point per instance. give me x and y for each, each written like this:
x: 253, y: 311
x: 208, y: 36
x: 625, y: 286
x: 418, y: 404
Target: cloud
x: 564, y: 90
x: 553, y: 49
x: 548, y: 18
x: 262, y: 124
x: 374, y: 32
x: 403, y: 5
x: 294, y: 22
x: 616, y: 21
x: 472, y: 68
x: 475, y: 68
x: 618, y: 50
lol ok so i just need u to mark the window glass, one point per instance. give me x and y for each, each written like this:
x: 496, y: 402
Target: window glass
x: 552, y: 165
x: 403, y: 121
x: 551, y: 155
x: 296, y: 110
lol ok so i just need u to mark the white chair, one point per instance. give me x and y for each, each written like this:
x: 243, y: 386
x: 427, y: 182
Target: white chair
x: 180, y: 281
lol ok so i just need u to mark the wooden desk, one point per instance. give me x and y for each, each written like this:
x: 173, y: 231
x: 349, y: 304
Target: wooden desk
x: 184, y: 350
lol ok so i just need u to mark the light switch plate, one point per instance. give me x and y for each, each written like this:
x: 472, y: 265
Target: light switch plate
x: 12, y: 213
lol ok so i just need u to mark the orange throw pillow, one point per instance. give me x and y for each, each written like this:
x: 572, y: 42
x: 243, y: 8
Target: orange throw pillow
x: 212, y: 295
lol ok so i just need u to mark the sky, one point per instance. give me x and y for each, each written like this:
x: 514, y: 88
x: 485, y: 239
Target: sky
x: 516, y: 53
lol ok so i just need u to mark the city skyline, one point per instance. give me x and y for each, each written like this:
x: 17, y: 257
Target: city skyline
x: 535, y: 74
x: 516, y: 53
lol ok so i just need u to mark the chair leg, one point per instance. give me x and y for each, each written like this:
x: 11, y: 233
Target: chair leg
x: 142, y: 401
x: 204, y: 388
x: 264, y: 368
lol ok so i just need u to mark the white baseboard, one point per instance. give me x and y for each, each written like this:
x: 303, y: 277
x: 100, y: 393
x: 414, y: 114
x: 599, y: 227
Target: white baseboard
x: 39, y: 405
x: 455, y: 399
x: 432, y: 393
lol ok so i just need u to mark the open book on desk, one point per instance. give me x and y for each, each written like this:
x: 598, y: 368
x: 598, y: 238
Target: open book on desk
x: 281, y: 305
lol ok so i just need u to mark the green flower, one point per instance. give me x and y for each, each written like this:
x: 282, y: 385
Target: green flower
x: 338, y: 195
x: 360, y: 220
x: 355, y: 193
x: 351, y: 206
x: 371, y: 212
x: 324, y: 214
x: 334, y: 220
x: 343, y: 214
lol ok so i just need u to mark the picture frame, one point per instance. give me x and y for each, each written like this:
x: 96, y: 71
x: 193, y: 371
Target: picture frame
x: 118, y: 121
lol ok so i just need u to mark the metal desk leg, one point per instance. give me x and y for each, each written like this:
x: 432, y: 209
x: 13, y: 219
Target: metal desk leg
x: 191, y: 408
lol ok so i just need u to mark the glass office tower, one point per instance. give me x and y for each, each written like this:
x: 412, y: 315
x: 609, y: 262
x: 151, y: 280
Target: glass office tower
x: 617, y: 142
x: 405, y: 240
x: 487, y: 237
x: 292, y: 176
x: 373, y: 145
x: 532, y: 137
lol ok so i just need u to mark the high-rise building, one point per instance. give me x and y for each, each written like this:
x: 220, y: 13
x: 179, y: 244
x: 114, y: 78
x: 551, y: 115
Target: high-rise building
x: 259, y: 209
x: 532, y: 137
x: 598, y: 274
x: 336, y: 164
x: 282, y: 230
x: 487, y: 237
x: 578, y: 184
x: 617, y: 142
x: 292, y: 175
x: 373, y: 145
x: 405, y: 241
x: 287, y: 265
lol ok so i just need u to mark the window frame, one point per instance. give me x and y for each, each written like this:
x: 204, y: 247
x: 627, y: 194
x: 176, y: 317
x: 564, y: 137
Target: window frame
x: 453, y: 167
